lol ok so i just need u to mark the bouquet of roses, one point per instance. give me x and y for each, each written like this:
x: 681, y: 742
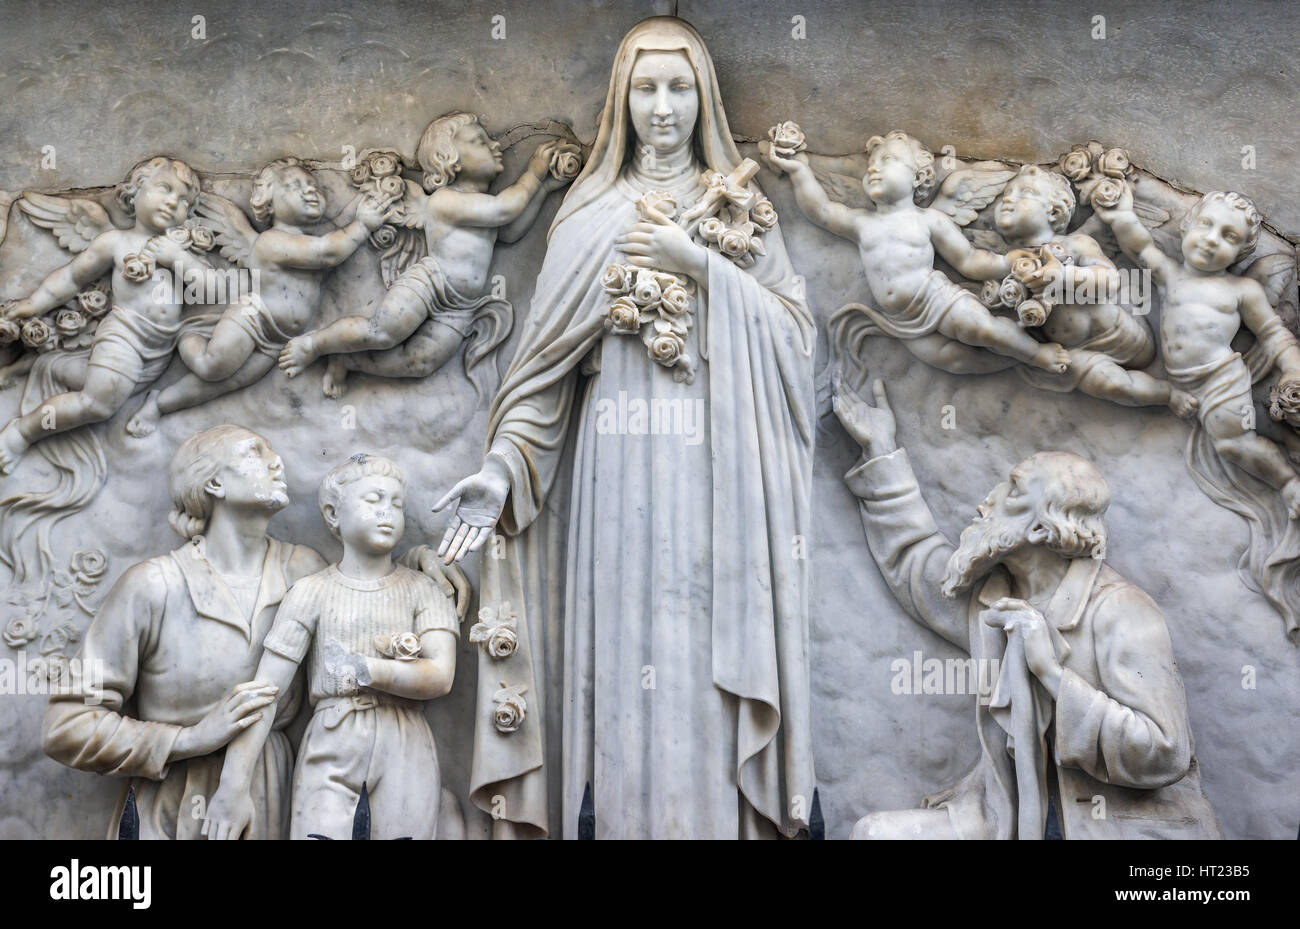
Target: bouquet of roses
x: 1099, y: 173
x: 653, y: 304
x: 1026, y: 288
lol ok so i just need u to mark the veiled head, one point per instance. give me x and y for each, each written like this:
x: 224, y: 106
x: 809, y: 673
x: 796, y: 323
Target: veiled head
x: 627, y: 120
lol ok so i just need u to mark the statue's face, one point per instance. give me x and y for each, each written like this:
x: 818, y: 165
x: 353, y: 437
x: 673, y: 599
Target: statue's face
x: 478, y: 153
x: 253, y: 477
x: 891, y: 172
x: 1001, y: 526
x: 663, y: 100
x: 296, y: 198
x: 1214, y: 236
x: 370, y: 514
x: 1023, y: 208
x: 163, y: 201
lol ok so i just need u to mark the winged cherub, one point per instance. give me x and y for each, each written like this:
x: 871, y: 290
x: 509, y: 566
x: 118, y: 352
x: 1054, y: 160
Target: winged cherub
x: 290, y: 266
x: 898, y: 239
x: 133, y: 344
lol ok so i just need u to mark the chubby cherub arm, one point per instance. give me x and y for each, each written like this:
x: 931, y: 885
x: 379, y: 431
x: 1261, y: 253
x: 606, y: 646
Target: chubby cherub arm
x: 1092, y: 268
x: 470, y: 208
x: 62, y: 284
x: 540, y: 165
x: 1261, y: 319
x: 280, y: 248
x: 425, y: 678
x: 978, y: 264
x: 816, y: 206
x: 1134, y: 238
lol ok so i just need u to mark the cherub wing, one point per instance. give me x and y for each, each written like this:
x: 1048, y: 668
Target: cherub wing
x: 1277, y: 274
x: 74, y: 222
x: 968, y: 190
x: 987, y: 239
x: 235, y: 235
x: 844, y: 189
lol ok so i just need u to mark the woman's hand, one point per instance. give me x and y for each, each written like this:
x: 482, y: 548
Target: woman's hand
x: 479, y: 500
x: 665, y: 247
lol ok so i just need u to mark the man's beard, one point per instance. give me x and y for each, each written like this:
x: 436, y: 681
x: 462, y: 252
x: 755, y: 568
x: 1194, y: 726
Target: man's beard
x: 982, y: 545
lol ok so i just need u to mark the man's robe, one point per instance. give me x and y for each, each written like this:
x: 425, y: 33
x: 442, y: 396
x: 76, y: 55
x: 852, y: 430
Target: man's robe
x: 166, y: 645
x: 1118, y: 728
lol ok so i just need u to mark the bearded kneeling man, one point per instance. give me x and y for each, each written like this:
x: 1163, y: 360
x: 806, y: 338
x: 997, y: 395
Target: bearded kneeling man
x: 1087, y: 686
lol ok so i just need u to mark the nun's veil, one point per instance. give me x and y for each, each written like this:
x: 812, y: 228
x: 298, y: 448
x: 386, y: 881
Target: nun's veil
x: 712, y: 135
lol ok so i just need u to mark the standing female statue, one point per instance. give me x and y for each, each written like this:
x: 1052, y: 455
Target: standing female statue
x: 665, y: 633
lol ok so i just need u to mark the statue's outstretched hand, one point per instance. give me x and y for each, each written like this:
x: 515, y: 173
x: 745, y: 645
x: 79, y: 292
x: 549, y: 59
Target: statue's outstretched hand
x: 479, y: 500
x: 872, y: 427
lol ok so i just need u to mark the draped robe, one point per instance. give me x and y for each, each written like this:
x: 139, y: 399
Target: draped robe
x: 674, y: 608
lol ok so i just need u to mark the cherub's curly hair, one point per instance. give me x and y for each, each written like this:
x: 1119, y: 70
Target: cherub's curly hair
x: 926, y: 180
x: 437, y: 154
x: 146, y: 169
x: 198, y: 460
x: 355, y: 468
x: 1238, y: 201
x: 1069, y: 520
x: 1060, y: 195
x: 264, y: 187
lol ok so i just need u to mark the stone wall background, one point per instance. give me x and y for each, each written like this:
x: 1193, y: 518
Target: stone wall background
x: 1183, y: 88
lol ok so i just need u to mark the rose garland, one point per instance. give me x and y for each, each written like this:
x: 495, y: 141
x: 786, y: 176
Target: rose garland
x: 401, y: 646
x: 1025, y: 288
x: 566, y: 161
x: 70, y: 327
x: 653, y: 304
x: 509, y: 707
x: 139, y: 267
x: 379, y: 174
x: 68, y: 591
x: 1099, y: 173
x: 730, y: 217
x: 497, y: 631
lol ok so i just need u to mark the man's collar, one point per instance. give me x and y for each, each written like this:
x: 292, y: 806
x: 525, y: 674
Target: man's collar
x: 212, y: 598
x: 1065, y: 609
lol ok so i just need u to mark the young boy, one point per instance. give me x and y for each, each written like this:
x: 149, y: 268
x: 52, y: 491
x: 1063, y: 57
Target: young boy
x: 897, y: 242
x: 133, y: 344
x: 432, y: 308
x: 1204, y: 308
x: 379, y: 638
x: 290, y: 264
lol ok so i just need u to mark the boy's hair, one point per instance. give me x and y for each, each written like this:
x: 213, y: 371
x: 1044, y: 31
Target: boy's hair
x: 926, y: 180
x: 1060, y: 195
x: 437, y: 154
x: 198, y: 460
x: 1238, y: 201
x: 264, y: 187
x: 146, y: 169
x: 358, y: 466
